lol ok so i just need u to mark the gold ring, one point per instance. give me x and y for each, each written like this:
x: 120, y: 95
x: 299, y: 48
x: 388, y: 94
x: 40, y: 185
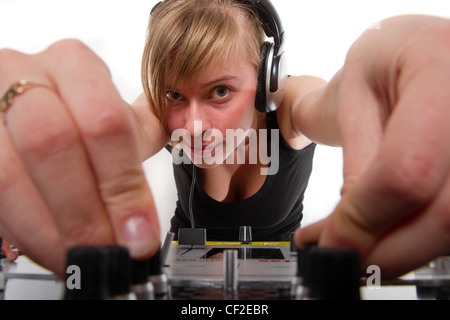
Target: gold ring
x: 15, y: 89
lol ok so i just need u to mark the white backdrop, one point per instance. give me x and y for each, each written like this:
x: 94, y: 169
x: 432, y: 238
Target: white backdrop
x: 319, y: 34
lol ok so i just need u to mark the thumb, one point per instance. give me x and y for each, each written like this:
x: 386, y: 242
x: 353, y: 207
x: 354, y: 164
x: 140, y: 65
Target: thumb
x: 361, y: 127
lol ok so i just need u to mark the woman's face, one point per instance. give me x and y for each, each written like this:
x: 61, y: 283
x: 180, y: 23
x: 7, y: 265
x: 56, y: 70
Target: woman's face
x: 199, y: 110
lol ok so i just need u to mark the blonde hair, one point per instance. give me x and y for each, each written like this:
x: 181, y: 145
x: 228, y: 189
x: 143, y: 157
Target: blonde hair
x: 185, y: 36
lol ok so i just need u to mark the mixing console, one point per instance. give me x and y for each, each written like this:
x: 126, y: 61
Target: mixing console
x: 221, y: 271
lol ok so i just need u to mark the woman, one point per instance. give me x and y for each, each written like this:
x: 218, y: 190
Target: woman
x: 69, y: 127
x: 201, y: 64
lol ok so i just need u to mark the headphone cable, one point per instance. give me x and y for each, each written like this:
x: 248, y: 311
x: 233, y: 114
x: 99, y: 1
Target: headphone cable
x: 191, y: 195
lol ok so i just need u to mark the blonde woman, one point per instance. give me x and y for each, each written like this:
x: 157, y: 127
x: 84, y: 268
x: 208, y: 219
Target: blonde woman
x: 72, y: 148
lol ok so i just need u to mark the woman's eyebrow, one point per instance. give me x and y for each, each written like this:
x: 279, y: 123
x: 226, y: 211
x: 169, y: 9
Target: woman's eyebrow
x: 215, y: 81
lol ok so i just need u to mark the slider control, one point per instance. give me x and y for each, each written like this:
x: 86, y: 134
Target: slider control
x: 245, y: 234
x: 230, y: 266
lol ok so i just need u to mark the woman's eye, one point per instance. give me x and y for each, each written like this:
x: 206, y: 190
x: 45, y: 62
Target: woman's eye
x: 220, y: 92
x: 174, y: 96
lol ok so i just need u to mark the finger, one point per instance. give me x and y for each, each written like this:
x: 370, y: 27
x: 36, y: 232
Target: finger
x: 421, y: 239
x: 24, y: 217
x: 309, y: 234
x: 11, y: 255
x: 55, y: 158
x: 48, y: 143
x: 108, y: 133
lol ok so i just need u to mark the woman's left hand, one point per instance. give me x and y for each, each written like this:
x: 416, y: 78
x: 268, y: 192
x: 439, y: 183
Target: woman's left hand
x: 394, y: 124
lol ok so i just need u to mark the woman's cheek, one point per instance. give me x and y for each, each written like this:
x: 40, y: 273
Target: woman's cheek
x: 174, y: 120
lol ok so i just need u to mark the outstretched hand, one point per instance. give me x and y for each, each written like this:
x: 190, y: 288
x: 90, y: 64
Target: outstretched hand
x: 394, y: 115
x: 70, y: 159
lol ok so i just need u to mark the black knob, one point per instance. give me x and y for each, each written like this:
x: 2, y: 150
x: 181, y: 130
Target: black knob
x: 334, y: 274
x: 155, y: 264
x: 139, y: 271
x: 292, y: 247
x: 89, y: 265
x: 118, y: 270
x: 304, y: 263
x: 140, y: 285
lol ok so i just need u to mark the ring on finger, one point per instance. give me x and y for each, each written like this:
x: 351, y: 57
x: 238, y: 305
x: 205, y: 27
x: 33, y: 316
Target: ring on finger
x: 15, y: 89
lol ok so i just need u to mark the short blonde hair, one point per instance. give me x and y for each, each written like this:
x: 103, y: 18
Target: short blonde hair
x: 185, y: 36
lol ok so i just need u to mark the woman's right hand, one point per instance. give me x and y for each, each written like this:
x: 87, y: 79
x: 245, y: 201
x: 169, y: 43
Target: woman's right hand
x: 70, y: 159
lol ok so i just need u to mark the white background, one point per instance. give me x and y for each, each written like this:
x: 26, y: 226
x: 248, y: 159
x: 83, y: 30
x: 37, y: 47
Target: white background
x: 319, y: 34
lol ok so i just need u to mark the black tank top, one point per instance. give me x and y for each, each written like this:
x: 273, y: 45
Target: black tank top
x: 273, y: 212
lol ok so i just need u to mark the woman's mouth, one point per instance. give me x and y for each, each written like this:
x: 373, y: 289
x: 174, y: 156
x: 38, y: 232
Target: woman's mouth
x: 204, y: 150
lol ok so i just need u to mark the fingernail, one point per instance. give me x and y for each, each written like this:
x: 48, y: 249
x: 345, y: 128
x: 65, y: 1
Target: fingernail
x: 139, y: 236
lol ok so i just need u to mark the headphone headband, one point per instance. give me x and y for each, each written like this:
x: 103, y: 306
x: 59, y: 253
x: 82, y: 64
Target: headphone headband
x: 270, y: 20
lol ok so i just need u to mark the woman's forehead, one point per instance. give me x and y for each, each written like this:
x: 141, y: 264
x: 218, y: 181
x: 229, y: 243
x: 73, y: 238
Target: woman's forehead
x: 235, y: 67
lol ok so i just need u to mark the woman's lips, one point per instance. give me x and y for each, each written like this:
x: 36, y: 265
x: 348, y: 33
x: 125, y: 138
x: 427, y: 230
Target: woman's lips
x: 205, y: 149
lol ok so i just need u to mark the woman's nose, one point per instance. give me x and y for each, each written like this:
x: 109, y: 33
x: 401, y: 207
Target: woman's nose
x: 196, y: 119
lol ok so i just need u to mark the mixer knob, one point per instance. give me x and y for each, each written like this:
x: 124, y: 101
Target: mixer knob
x: 91, y: 263
x: 335, y: 274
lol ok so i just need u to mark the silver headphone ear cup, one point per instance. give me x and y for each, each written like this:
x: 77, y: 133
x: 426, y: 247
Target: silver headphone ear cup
x: 276, y: 78
x: 270, y: 80
x: 264, y: 71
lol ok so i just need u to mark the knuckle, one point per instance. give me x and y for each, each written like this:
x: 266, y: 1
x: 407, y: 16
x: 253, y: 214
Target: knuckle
x: 432, y: 43
x: 7, y: 54
x: 107, y: 123
x: 9, y: 59
x: 88, y: 233
x: 43, y: 140
x: 71, y: 51
x: 67, y: 46
x: 411, y: 176
x: 125, y: 186
x: 439, y: 32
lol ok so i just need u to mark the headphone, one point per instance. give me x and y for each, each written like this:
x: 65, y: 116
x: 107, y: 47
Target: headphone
x: 273, y: 71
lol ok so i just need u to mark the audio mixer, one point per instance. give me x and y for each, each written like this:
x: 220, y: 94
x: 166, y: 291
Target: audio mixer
x: 239, y: 270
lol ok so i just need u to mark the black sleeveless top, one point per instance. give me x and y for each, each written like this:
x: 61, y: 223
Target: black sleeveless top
x: 273, y: 212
